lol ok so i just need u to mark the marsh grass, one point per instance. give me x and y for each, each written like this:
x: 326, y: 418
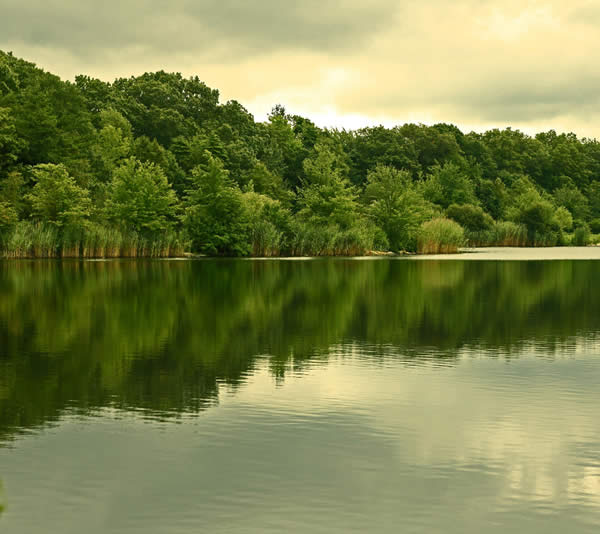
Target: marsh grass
x: 33, y: 240
x: 508, y: 234
x: 440, y: 236
x: 267, y: 240
x: 314, y: 240
x: 36, y: 240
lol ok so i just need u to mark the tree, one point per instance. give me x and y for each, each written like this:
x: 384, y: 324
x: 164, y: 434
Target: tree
x: 163, y: 105
x: 268, y: 183
x: 470, y: 217
x: 8, y: 219
x: 396, y: 206
x: 10, y: 143
x: 493, y: 196
x: 433, y: 145
x: 113, y: 143
x: 563, y: 218
x: 593, y: 194
x: 326, y: 196
x: 12, y: 191
x: 536, y: 212
x: 448, y: 184
x: 215, y: 216
x: 57, y: 199
x: 281, y: 150
x: 574, y: 200
x: 140, y: 198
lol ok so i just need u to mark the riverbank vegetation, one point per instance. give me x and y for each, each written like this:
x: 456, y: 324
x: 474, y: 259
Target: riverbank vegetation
x: 154, y: 165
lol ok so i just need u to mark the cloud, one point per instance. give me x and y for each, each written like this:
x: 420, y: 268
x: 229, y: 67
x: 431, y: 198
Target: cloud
x: 230, y: 29
x: 476, y: 63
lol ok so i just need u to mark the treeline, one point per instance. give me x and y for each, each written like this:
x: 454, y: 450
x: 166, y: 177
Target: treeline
x: 154, y: 166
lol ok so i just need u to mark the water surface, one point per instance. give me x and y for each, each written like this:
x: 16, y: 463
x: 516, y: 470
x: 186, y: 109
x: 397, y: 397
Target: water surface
x: 330, y: 395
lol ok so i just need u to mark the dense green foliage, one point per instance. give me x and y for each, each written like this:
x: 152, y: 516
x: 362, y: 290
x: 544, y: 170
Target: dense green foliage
x: 154, y: 164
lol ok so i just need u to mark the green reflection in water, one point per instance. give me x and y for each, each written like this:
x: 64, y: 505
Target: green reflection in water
x: 2, y: 505
x: 161, y: 335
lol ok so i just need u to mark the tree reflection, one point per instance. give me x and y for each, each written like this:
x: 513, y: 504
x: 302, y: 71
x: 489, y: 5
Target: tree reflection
x: 161, y: 336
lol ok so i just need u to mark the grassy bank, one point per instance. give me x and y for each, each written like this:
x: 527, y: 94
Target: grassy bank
x: 30, y: 240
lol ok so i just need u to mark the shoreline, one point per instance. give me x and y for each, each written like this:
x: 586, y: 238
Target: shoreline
x: 590, y: 252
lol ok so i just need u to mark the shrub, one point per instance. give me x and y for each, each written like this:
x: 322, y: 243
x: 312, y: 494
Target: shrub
x: 595, y: 226
x: 440, y: 236
x: 581, y: 236
x: 8, y: 220
x: 476, y: 222
x: 472, y: 218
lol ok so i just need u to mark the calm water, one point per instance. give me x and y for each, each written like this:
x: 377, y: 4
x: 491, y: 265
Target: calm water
x: 300, y: 396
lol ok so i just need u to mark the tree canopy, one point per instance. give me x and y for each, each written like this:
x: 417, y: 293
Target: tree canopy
x: 158, y: 153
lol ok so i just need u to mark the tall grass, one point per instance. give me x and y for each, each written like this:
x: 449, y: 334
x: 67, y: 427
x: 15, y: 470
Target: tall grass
x: 33, y: 240
x: 36, y: 240
x: 266, y: 239
x: 508, y: 234
x: 314, y: 240
x: 440, y: 236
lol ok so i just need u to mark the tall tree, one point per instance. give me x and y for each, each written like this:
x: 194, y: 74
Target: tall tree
x: 396, y: 205
x: 140, y: 198
x: 57, y: 199
x: 215, y: 215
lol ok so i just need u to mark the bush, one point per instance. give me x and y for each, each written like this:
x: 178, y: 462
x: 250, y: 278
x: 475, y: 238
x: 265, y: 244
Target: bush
x: 8, y: 220
x: 472, y: 218
x: 440, y: 236
x: 476, y: 222
x: 595, y: 226
x: 581, y: 236
x: 545, y: 239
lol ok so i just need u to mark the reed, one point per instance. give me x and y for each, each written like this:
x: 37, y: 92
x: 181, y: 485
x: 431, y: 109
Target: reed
x: 37, y: 240
x: 266, y: 239
x: 508, y: 234
x: 33, y: 240
x: 440, y: 236
x: 313, y: 240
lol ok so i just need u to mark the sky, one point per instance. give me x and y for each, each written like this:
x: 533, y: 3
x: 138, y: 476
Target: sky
x: 478, y: 64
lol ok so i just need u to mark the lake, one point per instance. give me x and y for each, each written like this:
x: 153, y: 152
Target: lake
x: 325, y: 395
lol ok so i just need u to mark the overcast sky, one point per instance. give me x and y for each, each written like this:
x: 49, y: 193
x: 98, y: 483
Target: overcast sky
x: 347, y: 63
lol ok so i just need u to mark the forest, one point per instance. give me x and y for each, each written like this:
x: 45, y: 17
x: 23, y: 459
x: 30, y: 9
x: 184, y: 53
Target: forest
x: 156, y: 166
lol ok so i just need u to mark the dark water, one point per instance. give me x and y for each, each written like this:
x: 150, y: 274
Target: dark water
x: 300, y: 396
